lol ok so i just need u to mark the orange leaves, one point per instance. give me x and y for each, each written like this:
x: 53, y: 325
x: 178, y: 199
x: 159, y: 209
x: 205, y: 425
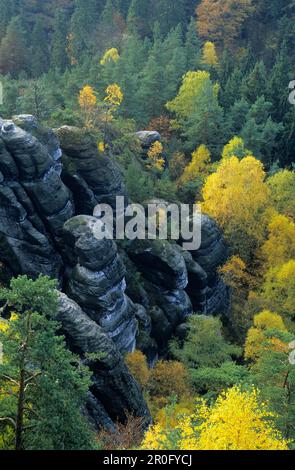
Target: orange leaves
x: 221, y: 20
x: 138, y: 366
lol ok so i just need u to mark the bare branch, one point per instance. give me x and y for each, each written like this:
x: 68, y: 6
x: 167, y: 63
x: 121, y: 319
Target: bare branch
x: 7, y: 377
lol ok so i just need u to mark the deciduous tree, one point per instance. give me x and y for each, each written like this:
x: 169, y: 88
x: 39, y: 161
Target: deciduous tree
x: 236, y: 196
x: 222, y: 20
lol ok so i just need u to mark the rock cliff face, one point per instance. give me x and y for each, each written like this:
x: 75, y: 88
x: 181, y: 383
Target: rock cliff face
x: 96, y: 281
x: 50, y: 184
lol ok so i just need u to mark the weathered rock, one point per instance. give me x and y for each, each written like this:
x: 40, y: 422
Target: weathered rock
x: 213, y: 251
x: 97, y: 281
x: 45, y: 135
x: 93, y: 176
x: 114, y: 390
x: 163, y: 267
x: 212, y: 254
x: 162, y: 330
x: 147, y: 138
x: 160, y: 262
x: 39, y: 234
x: 34, y: 204
x: 197, y: 288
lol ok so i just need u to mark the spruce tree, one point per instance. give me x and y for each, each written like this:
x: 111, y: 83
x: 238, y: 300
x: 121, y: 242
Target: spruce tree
x: 152, y: 78
x: 8, y: 10
x: 39, y: 51
x: 13, y: 51
x: 192, y: 47
x: 59, y: 56
x: 83, y: 24
x: 255, y: 84
x: 138, y: 17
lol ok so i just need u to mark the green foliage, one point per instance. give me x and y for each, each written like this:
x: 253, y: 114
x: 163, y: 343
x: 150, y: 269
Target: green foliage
x: 213, y: 380
x: 43, y: 385
x: 205, y: 345
x: 13, y: 51
x: 139, y: 185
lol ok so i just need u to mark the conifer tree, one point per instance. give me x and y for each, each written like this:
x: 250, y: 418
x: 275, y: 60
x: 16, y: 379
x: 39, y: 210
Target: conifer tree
x: 138, y: 17
x: 8, y: 10
x: 13, y: 51
x: 255, y: 84
x: 43, y: 386
x: 59, y: 56
x: 40, y: 53
x: 192, y: 47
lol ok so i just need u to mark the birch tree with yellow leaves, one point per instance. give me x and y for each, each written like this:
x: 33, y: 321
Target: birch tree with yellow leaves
x: 238, y: 420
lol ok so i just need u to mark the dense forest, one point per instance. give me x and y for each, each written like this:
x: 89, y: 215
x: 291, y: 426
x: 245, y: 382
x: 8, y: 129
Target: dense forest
x: 211, y: 77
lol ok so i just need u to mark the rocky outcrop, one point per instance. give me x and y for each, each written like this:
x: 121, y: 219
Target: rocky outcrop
x: 49, y: 187
x: 165, y: 279
x: 212, y: 254
x: 179, y: 283
x: 96, y: 281
x: 94, y: 178
x: 114, y: 390
x: 34, y: 204
x: 148, y: 138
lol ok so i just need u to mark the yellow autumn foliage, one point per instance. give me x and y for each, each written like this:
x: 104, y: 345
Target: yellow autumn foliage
x: 280, y: 245
x: 209, y: 56
x: 257, y: 341
x: 138, y: 366
x: 279, y: 288
x: 200, y: 164
x: 282, y: 188
x: 114, y: 95
x: 87, y: 98
x: 236, y: 421
x: 236, y: 195
x: 192, y: 86
x: 101, y: 146
x: 110, y: 55
x: 235, y: 148
x: 155, y: 158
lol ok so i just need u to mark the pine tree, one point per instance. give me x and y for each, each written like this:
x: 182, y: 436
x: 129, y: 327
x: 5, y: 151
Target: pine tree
x: 174, y: 62
x: 108, y: 13
x: 43, y: 386
x: 124, y: 6
x: 260, y: 131
x: 40, y: 53
x: 83, y: 23
x: 59, y: 56
x: 152, y: 78
x: 138, y: 17
x: 13, y: 52
x: 8, y: 10
x: 237, y: 115
x: 192, y: 47
x: 255, y: 84
x: 231, y: 91
x: 168, y: 14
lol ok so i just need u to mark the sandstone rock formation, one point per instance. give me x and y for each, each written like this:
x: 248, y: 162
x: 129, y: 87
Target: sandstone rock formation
x: 112, y: 300
x: 34, y: 206
x: 93, y: 177
x: 147, y: 138
x: 114, y: 391
x: 96, y: 281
